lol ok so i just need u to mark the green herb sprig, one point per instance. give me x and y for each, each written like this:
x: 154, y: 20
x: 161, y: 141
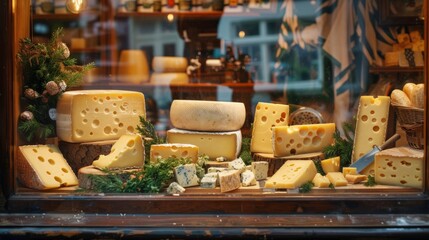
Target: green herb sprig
x: 342, y: 147
x: 148, y: 132
x: 306, y: 187
x: 370, y: 182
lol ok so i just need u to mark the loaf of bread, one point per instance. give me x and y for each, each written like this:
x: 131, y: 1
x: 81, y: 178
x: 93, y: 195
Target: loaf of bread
x: 417, y: 96
x: 399, y: 98
x: 411, y: 95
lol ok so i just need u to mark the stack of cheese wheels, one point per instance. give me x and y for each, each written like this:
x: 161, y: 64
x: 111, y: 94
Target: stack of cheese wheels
x: 213, y: 126
x: 169, y: 70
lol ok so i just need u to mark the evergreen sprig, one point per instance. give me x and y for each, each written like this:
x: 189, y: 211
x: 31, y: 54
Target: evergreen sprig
x: 306, y: 187
x: 370, y: 182
x: 245, y: 153
x: 148, y: 132
x: 342, y: 147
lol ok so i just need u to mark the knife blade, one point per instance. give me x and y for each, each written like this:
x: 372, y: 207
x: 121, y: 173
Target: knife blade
x: 368, y: 158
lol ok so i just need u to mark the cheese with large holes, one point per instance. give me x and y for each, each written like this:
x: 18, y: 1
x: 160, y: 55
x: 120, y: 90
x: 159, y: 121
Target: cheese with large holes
x: 293, y: 174
x: 177, y: 150
x: 402, y: 166
x: 267, y: 115
x: 349, y: 171
x: 43, y: 167
x: 321, y: 181
x: 127, y: 152
x: 229, y: 180
x: 211, y: 116
x: 96, y: 115
x: 161, y: 64
x: 186, y: 175
x: 337, y: 179
x: 169, y: 78
x: 371, y: 127
x: 299, y: 139
x: 331, y: 164
x: 213, y: 144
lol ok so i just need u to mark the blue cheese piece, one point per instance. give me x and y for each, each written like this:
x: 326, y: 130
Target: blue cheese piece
x: 208, y: 182
x: 237, y: 164
x: 216, y: 169
x: 260, y: 169
x: 213, y: 175
x: 248, y: 178
x: 186, y: 175
x: 175, y: 188
x: 221, y: 159
x: 229, y: 180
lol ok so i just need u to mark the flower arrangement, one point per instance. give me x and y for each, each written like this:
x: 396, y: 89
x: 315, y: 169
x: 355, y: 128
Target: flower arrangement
x: 48, y: 71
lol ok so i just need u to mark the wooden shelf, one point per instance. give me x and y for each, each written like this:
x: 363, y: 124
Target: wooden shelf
x: 190, y: 15
x: 65, y: 16
x: 395, y: 69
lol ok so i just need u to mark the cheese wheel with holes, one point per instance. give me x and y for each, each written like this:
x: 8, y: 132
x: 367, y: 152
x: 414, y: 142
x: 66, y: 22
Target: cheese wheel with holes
x: 210, y: 116
x: 161, y: 64
x: 97, y: 115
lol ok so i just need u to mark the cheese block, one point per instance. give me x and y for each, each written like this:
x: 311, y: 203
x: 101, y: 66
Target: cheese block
x: 175, y: 188
x: 371, y: 127
x: 177, y: 150
x: 293, y: 174
x: 354, y: 179
x: 229, y: 180
x: 127, y: 152
x: 213, y: 175
x: 237, y: 164
x: 321, y: 181
x: 96, y: 115
x: 349, y: 171
x: 299, y: 139
x: 402, y: 166
x: 164, y: 64
x: 213, y: 144
x: 211, y: 116
x: 208, y: 182
x: 186, y: 175
x: 260, y: 169
x: 248, y: 178
x: 43, y: 167
x: 169, y: 78
x: 267, y: 115
x: 337, y: 179
x: 331, y: 164
x: 209, y: 164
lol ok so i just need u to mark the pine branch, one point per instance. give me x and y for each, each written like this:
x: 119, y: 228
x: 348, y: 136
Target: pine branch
x: 342, y: 147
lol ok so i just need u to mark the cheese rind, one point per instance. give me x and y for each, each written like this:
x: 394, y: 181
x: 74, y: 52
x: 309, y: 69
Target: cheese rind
x: 127, y: 152
x: 337, y: 179
x: 186, y: 175
x: 402, y: 166
x: 321, y: 181
x: 371, y: 127
x: 158, y: 151
x: 97, y: 115
x: 331, y: 164
x: 216, y: 116
x: 267, y: 115
x: 293, y: 174
x: 43, y: 167
x: 299, y: 139
x: 213, y: 144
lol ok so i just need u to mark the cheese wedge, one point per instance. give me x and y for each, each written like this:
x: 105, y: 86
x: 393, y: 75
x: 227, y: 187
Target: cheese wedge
x: 337, y: 179
x: 267, y: 115
x: 96, y: 115
x: 321, y: 181
x: 208, y: 116
x: 43, y: 167
x: 349, y: 171
x: 177, y: 150
x: 213, y: 144
x: 127, y: 152
x: 293, y: 174
x: 331, y: 164
x: 299, y: 139
x: 371, y: 127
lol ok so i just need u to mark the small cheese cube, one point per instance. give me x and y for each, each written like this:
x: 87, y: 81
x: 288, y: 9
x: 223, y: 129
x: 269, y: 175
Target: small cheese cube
x: 337, y: 179
x: 331, y: 164
x: 248, y: 178
x: 186, y: 175
x: 213, y: 175
x: 354, y: 179
x: 293, y: 174
x: 237, y: 164
x: 208, y: 182
x: 321, y: 181
x: 299, y: 139
x: 175, y: 188
x: 260, y: 169
x: 173, y: 150
x: 349, y: 170
x: 229, y: 180
x: 216, y: 169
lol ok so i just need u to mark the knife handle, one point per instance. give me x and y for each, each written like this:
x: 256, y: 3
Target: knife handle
x: 389, y: 141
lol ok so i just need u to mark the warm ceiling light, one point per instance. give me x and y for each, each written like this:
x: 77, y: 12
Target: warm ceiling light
x: 242, y: 34
x: 75, y: 6
x: 170, y: 17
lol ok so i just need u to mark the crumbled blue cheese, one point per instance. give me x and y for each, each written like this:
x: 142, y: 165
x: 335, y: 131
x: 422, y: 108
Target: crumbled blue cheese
x: 248, y: 178
x: 237, y: 164
x: 213, y: 175
x: 175, y: 188
x: 208, y: 182
x: 260, y: 169
x: 186, y: 175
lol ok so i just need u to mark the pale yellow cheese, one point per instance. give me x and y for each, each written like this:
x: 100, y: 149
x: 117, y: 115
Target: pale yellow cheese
x: 349, y: 171
x: 293, y: 174
x: 96, y: 115
x: 337, y: 179
x: 371, y: 127
x: 43, y: 167
x: 213, y: 144
x: 331, y: 164
x: 402, y: 166
x: 267, y: 115
x: 127, y: 152
x: 321, y: 181
x: 164, y: 64
x: 354, y: 179
x: 158, y: 151
x: 216, y: 116
x: 169, y: 78
x: 299, y: 139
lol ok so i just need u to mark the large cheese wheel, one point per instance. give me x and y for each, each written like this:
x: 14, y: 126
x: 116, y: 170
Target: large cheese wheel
x: 210, y: 116
x: 169, y: 78
x: 169, y: 64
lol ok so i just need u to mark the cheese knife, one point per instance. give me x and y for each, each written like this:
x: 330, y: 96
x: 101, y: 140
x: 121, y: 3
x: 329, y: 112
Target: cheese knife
x: 368, y: 158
